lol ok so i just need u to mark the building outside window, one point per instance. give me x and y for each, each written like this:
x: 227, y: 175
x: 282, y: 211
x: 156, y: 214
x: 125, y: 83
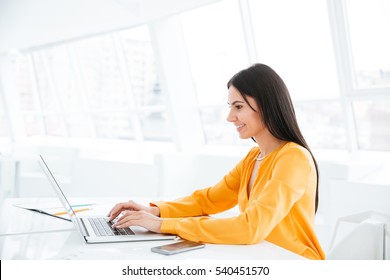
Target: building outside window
x: 103, y: 87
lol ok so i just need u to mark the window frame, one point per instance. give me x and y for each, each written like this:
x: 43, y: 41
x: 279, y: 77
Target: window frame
x: 344, y: 63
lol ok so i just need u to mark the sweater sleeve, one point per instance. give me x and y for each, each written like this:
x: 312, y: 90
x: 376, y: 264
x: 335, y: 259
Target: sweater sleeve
x: 265, y: 211
x: 218, y: 198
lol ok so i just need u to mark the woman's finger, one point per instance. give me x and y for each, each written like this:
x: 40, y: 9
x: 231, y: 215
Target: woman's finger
x: 116, y: 210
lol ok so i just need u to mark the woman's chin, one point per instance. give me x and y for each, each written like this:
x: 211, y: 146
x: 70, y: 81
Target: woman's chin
x: 243, y: 136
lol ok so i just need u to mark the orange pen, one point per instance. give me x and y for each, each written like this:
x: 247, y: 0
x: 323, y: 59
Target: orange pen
x: 77, y: 210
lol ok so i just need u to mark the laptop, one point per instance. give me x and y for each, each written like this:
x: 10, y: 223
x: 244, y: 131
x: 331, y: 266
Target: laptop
x: 97, y: 229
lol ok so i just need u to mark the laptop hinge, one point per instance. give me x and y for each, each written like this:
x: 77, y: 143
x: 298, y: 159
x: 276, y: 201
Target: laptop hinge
x: 85, y: 231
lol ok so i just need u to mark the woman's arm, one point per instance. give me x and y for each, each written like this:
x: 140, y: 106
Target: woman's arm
x: 202, y: 202
x: 288, y: 183
x: 218, y: 198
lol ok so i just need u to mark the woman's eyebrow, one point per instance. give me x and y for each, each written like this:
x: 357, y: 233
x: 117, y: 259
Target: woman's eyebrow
x: 235, y: 102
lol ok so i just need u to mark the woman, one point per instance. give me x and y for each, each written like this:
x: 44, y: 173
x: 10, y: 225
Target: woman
x: 275, y: 185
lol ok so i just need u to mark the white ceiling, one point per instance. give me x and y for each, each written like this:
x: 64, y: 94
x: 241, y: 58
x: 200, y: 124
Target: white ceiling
x: 30, y: 23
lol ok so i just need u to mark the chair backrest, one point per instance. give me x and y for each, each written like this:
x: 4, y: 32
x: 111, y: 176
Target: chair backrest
x: 365, y: 242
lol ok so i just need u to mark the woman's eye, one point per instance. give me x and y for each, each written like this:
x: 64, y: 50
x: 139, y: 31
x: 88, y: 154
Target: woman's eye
x: 238, y: 107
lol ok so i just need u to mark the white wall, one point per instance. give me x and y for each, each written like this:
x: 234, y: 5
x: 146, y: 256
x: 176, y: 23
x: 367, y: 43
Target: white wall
x: 101, y: 178
x: 182, y: 173
x: 167, y: 174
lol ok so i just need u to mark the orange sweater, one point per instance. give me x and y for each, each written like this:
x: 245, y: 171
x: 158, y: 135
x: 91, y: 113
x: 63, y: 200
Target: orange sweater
x: 280, y: 208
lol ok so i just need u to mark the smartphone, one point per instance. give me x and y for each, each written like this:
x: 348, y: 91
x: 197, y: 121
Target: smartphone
x: 178, y: 247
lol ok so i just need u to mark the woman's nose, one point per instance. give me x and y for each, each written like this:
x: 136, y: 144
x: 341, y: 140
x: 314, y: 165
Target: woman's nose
x: 230, y: 117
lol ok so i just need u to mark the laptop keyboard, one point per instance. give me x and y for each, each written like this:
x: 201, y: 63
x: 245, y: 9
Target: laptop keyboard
x: 103, y: 227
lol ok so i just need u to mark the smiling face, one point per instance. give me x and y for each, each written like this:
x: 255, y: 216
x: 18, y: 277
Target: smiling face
x: 247, y: 121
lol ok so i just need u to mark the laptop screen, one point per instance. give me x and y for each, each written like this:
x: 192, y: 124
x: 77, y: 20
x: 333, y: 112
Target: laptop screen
x: 59, y: 192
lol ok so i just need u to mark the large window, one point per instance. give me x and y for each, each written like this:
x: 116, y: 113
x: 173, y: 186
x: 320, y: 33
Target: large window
x: 332, y: 54
x: 301, y: 41
x: 373, y: 124
x: 370, y: 71
x: 105, y: 87
x: 216, y: 49
x: 294, y: 38
x: 369, y: 24
x: 322, y: 123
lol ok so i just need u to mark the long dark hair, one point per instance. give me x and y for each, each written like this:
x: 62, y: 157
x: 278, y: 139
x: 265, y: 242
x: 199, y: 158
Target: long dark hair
x: 263, y: 84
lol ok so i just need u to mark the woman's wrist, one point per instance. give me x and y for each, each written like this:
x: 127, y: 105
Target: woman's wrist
x: 154, y: 210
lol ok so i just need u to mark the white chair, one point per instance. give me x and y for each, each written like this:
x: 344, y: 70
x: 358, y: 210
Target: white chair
x: 366, y: 241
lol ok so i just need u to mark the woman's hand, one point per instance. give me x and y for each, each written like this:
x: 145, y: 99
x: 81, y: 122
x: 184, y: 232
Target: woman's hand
x: 139, y: 218
x: 132, y: 206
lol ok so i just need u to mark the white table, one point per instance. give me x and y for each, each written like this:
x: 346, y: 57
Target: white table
x: 29, y: 235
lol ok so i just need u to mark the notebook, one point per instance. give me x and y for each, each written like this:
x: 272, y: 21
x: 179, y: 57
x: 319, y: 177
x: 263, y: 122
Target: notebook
x: 97, y: 229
